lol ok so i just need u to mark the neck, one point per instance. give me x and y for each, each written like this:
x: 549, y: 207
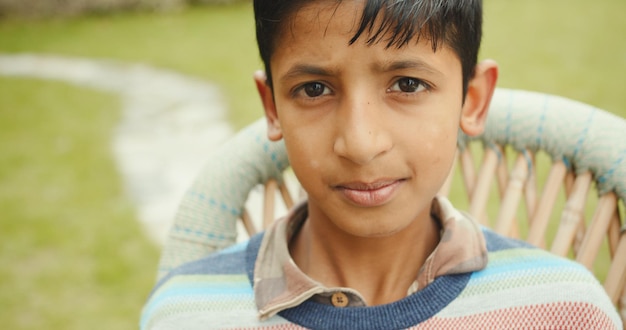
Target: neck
x: 381, y: 269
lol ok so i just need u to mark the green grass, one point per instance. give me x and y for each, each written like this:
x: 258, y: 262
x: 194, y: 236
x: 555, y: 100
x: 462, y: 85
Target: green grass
x: 215, y: 43
x: 569, y: 48
x: 72, y: 252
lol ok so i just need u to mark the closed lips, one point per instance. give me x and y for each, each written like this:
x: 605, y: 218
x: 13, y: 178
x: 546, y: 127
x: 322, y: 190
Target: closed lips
x: 370, y: 194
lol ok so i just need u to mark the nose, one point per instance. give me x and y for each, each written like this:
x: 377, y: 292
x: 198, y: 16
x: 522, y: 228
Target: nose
x: 362, y: 129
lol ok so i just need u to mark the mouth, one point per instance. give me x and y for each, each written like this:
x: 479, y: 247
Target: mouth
x: 370, y: 194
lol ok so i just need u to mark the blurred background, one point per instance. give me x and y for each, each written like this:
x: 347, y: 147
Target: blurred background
x: 75, y: 250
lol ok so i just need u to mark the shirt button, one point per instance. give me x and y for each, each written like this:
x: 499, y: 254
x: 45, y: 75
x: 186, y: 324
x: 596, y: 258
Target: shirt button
x: 339, y: 299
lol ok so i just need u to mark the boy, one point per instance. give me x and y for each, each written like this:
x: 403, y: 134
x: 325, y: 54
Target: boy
x: 368, y: 97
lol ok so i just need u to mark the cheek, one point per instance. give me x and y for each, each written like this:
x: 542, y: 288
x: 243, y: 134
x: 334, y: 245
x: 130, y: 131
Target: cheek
x: 446, y: 148
x: 314, y: 164
x: 308, y: 144
x: 437, y: 149
x: 296, y: 153
x: 304, y: 158
x: 438, y: 138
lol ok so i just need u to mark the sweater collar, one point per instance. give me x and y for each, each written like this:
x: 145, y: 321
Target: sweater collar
x: 279, y: 284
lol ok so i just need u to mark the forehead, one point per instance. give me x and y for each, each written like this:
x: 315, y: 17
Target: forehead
x: 319, y: 29
x: 313, y: 17
x: 341, y: 16
x: 393, y: 23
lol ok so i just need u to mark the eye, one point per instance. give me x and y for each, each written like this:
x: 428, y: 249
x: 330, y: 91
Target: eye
x: 313, y: 89
x: 408, y: 85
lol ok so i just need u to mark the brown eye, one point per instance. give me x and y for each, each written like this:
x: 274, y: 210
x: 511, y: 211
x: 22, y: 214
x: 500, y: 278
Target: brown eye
x: 409, y: 85
x: 314, y: 89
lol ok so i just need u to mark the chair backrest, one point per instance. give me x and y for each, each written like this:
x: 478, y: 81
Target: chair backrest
x: 571, y: 147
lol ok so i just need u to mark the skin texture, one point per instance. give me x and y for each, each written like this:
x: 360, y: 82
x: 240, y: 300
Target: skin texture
x: 371, y: 135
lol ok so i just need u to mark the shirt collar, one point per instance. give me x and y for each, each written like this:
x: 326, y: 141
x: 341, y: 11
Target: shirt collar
x: 279, y: 284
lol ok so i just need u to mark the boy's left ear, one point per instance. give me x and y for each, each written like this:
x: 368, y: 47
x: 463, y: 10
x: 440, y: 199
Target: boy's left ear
x: 479, y: 92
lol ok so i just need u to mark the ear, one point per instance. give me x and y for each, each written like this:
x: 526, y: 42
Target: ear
x: 274, y: 132
x: 479, y: 92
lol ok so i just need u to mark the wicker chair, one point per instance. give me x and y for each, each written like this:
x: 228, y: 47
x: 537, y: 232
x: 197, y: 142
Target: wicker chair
x: 582, y: 147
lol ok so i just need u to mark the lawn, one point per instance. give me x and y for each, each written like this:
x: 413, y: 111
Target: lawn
x: 73, y: 255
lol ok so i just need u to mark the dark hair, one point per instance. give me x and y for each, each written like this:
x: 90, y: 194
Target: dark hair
x: 455, y: 23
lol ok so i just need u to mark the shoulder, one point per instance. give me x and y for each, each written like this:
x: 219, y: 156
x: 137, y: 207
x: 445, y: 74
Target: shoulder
x: 522, y: 283
x: 235, y: 259
x: 510, y: 257
x: 215, y: 288
x: 518, y: 263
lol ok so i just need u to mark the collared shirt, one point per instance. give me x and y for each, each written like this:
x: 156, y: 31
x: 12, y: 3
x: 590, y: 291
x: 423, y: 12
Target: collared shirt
x: 279, y: 284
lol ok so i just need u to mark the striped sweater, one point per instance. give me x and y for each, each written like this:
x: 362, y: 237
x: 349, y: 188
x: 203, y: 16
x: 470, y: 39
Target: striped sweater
x: 521, y: 288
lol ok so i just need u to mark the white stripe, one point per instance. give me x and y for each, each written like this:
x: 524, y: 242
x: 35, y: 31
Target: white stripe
x: 590, y: 293
x: 216, y: 320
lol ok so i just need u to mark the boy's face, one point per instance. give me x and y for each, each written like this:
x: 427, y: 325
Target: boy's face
x: 370, y: 131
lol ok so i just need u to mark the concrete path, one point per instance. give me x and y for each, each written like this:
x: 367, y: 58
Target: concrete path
x: 169, y: 123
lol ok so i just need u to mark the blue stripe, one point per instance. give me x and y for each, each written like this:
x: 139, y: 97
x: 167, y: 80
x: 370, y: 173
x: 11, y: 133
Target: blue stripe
x: 583, y: 134
x: 199, y: 233
x: 200, y: 282
x: 217, y: 291
x: 191, y: 290
x: 235, y: 248
x: 495, y: 269
x: 567, y: 162
x: 542, y: 120
x: 605, y: 177
x: 152, y: 307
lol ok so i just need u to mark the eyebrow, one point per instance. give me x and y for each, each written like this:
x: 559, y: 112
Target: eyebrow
x: 406, y: 64
x: 313, y: 70
x: 306, y: 69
